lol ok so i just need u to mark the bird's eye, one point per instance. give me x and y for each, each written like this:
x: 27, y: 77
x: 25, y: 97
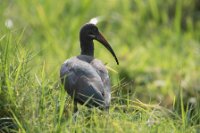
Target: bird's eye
x: 90, y: 32
x: 94, y: 30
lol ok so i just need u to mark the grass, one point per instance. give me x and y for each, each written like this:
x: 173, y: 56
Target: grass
x: 154, y: 89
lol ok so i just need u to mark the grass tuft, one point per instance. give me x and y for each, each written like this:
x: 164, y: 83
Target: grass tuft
x: 154, y: 89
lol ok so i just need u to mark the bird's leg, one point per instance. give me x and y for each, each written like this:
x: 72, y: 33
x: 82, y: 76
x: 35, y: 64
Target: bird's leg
x: 106, y: 109
x: 75, y: 114
x: 75, y: 107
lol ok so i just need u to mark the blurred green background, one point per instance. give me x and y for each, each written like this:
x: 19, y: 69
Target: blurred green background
x: 157, y: 43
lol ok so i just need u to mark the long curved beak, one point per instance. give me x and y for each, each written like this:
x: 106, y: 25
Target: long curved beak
x: 102, y: 40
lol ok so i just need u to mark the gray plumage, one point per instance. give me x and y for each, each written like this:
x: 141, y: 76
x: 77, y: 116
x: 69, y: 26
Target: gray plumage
x: 86, y: 77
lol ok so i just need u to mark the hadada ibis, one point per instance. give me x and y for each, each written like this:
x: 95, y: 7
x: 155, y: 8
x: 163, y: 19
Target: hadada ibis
x: 85, y: 78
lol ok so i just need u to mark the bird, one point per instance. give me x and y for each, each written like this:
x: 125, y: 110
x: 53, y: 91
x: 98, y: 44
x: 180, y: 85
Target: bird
x: 84, y: 77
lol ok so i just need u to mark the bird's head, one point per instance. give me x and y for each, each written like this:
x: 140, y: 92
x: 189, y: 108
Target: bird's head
x: 90, y: 31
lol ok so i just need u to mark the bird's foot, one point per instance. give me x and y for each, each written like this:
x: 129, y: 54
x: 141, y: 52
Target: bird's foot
x: 75, y: 115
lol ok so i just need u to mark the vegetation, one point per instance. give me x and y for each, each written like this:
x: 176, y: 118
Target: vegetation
x: 156, y: 87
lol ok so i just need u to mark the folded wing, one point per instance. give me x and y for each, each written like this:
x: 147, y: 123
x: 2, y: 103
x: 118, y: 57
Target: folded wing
x: 82, y: 82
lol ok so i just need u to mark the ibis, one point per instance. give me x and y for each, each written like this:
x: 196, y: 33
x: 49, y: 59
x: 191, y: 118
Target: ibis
x: 84, y: 77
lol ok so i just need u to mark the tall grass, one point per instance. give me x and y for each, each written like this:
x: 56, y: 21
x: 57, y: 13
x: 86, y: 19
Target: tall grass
x: 155, y: 88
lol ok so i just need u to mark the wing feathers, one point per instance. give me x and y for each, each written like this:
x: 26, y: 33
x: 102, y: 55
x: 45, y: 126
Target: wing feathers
x: 82, y: 82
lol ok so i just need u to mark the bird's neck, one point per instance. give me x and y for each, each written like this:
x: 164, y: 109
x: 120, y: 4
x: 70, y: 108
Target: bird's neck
x: 87, y: 47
